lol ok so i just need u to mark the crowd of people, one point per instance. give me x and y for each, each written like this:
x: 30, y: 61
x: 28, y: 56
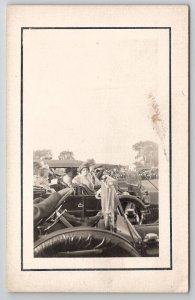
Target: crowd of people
x: 88, y: 178
x: 87, y: 174
x: 45, y: 178
x: 151, y: 173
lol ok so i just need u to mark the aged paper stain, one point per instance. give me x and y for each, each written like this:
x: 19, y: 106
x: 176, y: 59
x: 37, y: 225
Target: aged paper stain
x: 157, y: 121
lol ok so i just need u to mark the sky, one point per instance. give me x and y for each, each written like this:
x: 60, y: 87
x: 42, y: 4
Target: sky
x: 87, y: 91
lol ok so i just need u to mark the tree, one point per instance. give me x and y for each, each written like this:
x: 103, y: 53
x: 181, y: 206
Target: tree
x: 42, y: 154
x: 66, y: 155
x: 147, y: 153
x: 90, y: 161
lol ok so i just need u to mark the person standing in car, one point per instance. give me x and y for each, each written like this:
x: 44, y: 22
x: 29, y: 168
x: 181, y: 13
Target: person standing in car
x: 93, y: 178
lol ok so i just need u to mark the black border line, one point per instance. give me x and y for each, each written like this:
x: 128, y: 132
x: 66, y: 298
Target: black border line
x: 170, y: 149
x: 189, y: 118
x: 102, y: 269
x: 101, y: 27
x: 21, y: 136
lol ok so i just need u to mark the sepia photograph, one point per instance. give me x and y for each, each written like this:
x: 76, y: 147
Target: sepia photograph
x: 96, y: 130
x: 97, y: 111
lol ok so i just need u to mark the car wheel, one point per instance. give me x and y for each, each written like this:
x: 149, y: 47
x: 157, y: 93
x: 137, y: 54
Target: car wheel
x: 84, y: 242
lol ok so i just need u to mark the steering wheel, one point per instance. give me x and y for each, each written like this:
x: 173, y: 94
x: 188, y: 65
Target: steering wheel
x: 133, y: 207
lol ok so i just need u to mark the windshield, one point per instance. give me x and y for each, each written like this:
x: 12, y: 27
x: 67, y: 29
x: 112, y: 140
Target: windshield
x: 133, y: 178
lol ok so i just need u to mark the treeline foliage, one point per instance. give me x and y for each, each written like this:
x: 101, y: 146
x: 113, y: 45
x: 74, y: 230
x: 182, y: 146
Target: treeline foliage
x: 90, y: 161
x: 146, y: 154
x: 66, y: 155
x: 46, y: 154
x: 42, y: 154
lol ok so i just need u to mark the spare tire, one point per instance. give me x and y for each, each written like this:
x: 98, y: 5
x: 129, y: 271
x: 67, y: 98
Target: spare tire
x: 84, y: 242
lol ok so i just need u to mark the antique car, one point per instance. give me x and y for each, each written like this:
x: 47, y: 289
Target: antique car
x: 146, y: 191
x: 154, y: 173
x: 145, y: 173
x: 58, y: 169
x: 95, y: 225
x: 130, y: 185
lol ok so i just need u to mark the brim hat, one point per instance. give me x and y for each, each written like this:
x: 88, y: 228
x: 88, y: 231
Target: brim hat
x: 82, y: 166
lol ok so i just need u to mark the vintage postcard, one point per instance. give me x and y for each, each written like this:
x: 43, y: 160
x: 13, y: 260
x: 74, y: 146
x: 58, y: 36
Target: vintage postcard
x: 97, y: 148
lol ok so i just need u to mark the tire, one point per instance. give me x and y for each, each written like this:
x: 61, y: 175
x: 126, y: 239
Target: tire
x: 84, y: 242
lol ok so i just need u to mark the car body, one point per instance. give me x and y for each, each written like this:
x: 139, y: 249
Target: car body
x: 145, y: 190
x: 130, y: 184
x: 80, y: 227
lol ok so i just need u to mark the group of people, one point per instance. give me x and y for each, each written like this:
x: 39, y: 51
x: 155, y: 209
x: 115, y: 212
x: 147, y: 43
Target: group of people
x: 86, y: 177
